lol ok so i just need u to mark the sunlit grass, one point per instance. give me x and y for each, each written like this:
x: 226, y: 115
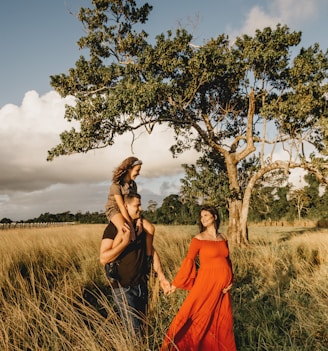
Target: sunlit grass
x: 54, y: 295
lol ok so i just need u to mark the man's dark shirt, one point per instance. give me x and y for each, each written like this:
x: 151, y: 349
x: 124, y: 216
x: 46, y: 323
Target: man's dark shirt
x: 132, y: 262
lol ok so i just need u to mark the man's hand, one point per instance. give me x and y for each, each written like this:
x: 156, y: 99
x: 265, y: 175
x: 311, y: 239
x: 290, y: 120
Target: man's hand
x: 139, y: 226
x: 126, y: 234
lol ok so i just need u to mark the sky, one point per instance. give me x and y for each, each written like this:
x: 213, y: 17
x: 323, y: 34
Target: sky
x: 38, y: 39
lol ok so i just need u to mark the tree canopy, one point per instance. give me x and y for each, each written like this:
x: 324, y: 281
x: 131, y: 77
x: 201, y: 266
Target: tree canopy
x: 240, y: 100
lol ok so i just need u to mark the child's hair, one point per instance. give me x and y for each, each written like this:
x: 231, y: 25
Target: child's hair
x: 214, y: 212
x: 120, y: 171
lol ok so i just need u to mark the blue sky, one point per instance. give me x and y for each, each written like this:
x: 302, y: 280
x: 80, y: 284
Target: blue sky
x: 38, y: 39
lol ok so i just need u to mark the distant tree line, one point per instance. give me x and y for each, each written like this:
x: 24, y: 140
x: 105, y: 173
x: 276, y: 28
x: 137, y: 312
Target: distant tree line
x: 269, y: 202
x: 79, y: 217
x: 288, y: 203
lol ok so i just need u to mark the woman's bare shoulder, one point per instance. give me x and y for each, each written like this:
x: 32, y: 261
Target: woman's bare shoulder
x: 199, y: 236
x: 222, y: 236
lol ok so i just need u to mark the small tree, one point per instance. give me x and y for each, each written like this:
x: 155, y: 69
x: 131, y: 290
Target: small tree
x: 152, y: 205
x: 6, y: 220
x: 301, y: 199
x: 170, y: 210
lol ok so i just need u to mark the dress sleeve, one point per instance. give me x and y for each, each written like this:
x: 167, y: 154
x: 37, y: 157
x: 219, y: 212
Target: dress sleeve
x: 186, y: 275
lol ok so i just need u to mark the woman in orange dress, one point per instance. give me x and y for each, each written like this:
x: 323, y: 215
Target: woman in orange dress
x: 204, y: 321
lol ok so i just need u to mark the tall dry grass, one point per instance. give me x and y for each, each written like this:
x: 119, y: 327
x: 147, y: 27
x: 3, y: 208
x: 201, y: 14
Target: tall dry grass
x: 54, y: 295
x: 281, y: 290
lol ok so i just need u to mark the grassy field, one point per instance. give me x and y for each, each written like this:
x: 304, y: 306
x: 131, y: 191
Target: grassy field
x: 54, y: 295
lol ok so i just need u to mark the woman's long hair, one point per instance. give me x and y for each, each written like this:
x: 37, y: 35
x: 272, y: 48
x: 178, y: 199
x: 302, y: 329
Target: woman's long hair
x: 120, y: 172
x: 214, y: 212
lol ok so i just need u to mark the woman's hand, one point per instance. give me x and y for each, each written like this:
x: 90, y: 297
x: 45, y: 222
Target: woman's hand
x: 225, y: 290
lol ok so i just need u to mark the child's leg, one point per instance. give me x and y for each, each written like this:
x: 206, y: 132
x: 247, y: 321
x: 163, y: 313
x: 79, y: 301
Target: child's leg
x: 118, y: 220
x: 150, y: 230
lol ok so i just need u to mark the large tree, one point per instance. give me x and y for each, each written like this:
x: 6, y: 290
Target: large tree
x: 237, y: 99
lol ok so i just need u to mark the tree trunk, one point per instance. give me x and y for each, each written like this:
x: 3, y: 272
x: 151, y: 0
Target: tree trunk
x: 234, y: 229
x: 245, y: 209
x: 236, y: 220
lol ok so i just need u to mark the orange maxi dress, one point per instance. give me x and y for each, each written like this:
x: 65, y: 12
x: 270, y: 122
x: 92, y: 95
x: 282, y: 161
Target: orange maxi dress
x: 204, y: 321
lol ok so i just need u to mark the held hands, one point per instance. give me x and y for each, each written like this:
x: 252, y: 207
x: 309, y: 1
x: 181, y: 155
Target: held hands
x: 170, y: 289
x: 166, y: 286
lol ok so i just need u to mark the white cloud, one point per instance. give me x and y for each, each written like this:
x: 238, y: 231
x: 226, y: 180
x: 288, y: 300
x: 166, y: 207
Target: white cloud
x: 258, y: 19
x: 286, y: 12
x: 31, y: 129
x: 30, y: 185
x: 294, y: 11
